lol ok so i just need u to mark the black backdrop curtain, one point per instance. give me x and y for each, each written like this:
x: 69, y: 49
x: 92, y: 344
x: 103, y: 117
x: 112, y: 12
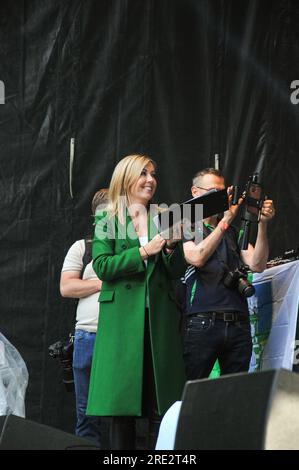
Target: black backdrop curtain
x: 180, y: 80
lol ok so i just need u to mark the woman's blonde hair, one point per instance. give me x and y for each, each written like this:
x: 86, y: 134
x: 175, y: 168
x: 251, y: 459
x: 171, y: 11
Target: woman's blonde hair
x: 125, y: 175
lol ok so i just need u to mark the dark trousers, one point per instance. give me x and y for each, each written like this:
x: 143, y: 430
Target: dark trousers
x: 122, y: 428
x: 207, y: 339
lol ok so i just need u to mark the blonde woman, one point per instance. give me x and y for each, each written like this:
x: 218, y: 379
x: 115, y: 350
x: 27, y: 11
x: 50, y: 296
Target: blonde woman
x: 137, y: 364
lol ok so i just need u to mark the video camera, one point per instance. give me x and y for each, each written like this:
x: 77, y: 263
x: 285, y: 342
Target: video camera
x: 253, y: 199
x: 64, y: 352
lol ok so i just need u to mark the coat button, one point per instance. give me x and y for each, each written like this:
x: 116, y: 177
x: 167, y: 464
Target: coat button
x: 128, y: 286
x: 124, y: 246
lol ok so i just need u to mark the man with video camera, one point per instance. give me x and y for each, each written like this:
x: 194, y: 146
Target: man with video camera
x: 217, y: 316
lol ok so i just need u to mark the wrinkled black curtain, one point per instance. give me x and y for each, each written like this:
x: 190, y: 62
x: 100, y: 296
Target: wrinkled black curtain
x: 180, y: 80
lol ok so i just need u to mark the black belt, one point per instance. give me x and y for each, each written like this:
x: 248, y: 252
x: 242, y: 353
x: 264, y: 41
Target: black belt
x: 225, y: 316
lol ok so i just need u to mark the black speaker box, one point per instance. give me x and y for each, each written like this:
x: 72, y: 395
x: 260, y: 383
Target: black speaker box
x: 21, y: 434
x: 241, y: 411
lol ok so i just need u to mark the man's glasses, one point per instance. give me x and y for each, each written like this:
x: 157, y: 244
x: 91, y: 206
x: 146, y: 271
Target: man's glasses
x: 208, y: 189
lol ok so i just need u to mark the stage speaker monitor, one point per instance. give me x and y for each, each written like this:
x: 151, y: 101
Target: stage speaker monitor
x: 21, y: 434
x: 240, y: 411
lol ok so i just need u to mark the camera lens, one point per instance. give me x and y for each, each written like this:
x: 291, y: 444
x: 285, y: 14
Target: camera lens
x: 67, y: 375
x: 64, y: 352
x: 245, y: 288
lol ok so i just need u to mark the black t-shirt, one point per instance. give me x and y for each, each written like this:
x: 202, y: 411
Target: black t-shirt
x: 205, y: 290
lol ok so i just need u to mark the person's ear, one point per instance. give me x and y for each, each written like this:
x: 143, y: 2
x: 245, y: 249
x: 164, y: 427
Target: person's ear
x: 194, y: 191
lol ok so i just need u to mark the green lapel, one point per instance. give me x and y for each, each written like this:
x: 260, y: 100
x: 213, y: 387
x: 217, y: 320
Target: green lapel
x: 130, y: 232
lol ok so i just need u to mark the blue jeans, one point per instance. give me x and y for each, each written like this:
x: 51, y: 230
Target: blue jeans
x: 86, y: 426
x: 207, y: 339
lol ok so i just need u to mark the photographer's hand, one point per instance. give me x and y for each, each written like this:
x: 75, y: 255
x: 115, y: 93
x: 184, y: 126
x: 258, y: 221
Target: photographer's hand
x: 268, y: 211
x: 257, y: 257
x: 232, y: 211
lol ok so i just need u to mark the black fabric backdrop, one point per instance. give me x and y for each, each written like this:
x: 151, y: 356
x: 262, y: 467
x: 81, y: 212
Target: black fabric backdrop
x: 178, y: 79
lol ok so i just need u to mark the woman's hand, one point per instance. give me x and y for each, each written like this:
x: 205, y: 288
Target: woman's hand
x: 153, y: 247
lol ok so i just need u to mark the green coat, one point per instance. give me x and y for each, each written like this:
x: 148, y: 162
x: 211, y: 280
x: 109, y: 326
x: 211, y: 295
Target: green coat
x: 117, y: 369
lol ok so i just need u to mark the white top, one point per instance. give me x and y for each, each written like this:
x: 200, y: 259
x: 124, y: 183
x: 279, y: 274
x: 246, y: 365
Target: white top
x: 88, y: 307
